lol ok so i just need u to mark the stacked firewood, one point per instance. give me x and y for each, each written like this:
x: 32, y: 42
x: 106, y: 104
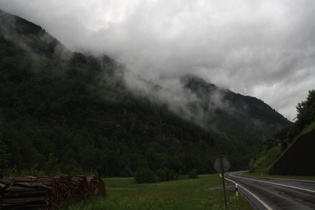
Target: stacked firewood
x: 87, y: 186
x: 47, y: 192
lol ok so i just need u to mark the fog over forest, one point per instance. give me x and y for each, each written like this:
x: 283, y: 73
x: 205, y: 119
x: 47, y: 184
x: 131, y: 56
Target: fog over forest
x: 264, y: 49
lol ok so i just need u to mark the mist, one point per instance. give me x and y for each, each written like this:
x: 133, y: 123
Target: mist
x: 259, y: 48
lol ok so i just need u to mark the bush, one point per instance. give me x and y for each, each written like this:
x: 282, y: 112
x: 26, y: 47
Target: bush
x: 145, y: 175
x: 25, y: 172
x: 166, y: 174
x: 193, y: 174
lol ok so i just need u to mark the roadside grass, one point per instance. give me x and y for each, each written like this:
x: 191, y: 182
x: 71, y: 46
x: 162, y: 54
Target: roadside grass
x: 267, y: 158
x: 202, y: 193
x: 266, y: 175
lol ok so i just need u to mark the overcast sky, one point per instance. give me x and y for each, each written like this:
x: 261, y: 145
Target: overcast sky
x: 261, y: 48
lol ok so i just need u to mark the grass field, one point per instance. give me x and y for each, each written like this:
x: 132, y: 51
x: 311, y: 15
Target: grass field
x: 187, y: 194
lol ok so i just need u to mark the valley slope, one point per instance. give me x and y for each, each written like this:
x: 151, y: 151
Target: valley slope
x: 69, y: 112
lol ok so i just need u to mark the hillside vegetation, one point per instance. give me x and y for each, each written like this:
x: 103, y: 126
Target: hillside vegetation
x: 233, y: 114
x: 69, y: 112
x: 293, y: 142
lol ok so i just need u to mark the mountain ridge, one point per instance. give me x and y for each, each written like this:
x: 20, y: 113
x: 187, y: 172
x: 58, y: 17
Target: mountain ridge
x: 230, y: 105
x: 79, y: 108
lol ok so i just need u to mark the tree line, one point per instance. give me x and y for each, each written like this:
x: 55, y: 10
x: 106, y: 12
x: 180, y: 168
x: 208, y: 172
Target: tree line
x: 65, y: 112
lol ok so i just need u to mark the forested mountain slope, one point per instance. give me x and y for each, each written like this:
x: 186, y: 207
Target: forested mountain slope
x: 68, y: 112
x: 293, y: 150
x: 239, y: 116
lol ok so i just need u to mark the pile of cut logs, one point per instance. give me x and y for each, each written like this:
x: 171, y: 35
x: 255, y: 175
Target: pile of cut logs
x: 47, y: 192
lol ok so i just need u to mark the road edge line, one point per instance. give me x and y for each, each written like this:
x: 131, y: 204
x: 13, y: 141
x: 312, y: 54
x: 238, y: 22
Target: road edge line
x: 252, y: 194
x: 277, y: 184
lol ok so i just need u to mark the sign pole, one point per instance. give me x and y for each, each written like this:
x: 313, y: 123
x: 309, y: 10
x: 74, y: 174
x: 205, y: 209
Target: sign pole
x: 222, y: 165
x: 223, y: 181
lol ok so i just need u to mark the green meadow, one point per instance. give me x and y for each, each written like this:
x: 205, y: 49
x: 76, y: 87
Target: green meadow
x: 184, y: 194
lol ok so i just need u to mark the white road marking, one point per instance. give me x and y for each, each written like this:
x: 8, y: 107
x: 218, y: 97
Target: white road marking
x: 252, y: 194
x: 282, y: 185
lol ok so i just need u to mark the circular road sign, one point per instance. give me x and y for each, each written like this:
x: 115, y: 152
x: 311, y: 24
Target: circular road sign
x: 222, y: 164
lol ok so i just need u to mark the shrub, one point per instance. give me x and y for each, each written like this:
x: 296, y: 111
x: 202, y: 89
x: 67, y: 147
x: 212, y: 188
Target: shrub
x: 145, y: 175
x: 166, y: 174
x: 193, y: 174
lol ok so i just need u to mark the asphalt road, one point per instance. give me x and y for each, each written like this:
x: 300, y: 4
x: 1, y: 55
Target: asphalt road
x: 275, y: 193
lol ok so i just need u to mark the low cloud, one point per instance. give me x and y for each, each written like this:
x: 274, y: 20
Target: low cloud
x: 262, y: 48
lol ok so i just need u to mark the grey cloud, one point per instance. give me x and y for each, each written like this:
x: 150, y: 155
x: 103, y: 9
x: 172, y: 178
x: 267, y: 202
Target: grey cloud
x: 263, y: 48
